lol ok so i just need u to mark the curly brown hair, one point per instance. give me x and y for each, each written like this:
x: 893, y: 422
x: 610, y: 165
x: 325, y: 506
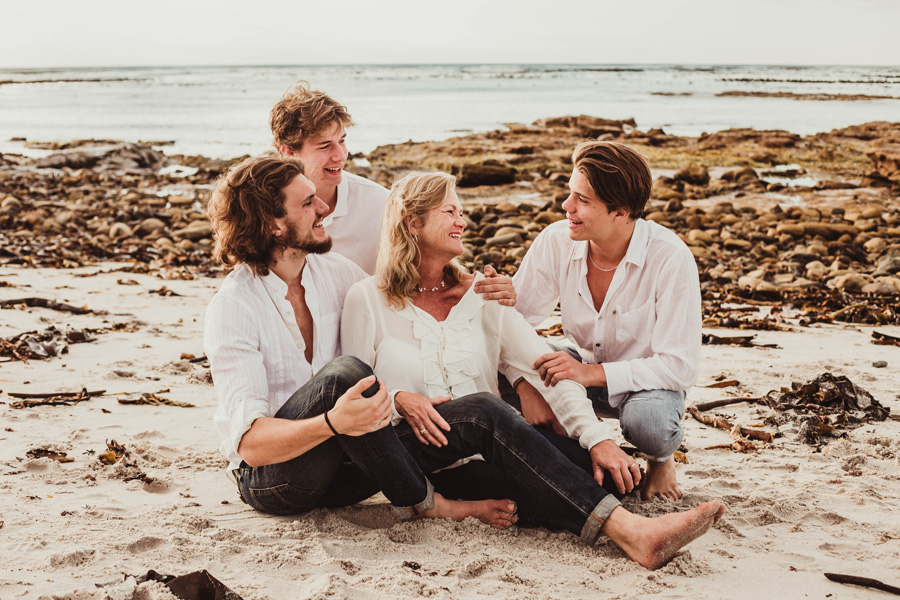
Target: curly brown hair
x: 246, y: 201
x: 302, y: 113
x: 618, y: 175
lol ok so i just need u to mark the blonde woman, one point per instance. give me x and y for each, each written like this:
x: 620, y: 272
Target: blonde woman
x: 437, y: 345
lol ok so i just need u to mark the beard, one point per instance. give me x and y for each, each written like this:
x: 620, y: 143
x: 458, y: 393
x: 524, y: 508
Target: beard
x: 292, y: 240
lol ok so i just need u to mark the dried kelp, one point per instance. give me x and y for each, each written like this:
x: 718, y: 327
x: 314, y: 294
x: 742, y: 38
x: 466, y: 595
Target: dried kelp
x: 826, y: 407
x: 744, y: 341
x: 152, y: 399
x: 883, y: 339
x: 42, y: 345
x: 51, y: 454
x: 45, y: 303
x: 52, y: 398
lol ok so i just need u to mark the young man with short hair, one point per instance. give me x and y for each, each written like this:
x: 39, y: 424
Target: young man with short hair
x: 630, y: 299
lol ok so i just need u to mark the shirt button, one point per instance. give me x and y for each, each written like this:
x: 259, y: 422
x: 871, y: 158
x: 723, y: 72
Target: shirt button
x: 596, y: 345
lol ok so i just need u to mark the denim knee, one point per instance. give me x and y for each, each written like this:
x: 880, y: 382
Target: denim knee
x: 346, y: 370
x: 651, y: 421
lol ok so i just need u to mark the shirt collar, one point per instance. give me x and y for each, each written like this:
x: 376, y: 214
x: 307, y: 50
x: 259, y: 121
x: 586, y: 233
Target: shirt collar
x: 637, y: 247
x: 276, y: 284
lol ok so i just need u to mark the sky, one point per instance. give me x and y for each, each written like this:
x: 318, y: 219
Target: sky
x: 105, y: 33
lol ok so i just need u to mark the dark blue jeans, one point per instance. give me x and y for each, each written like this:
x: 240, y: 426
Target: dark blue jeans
x: 545, y: 483
x: 341, y: 470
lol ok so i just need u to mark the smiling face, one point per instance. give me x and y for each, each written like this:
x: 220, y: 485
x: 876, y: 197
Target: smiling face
x: 440, y: 229
x: 589, y: 218
x: 301, y: 226
x: 323, y: 156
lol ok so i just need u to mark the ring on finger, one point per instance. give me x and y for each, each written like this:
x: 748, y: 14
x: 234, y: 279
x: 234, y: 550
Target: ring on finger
x: 423, y: 431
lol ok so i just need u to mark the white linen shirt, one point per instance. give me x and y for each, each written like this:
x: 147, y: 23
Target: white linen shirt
x: 254, y: 345
x: 355, y: 223
x: 647, y: 332
x: 411, y: 351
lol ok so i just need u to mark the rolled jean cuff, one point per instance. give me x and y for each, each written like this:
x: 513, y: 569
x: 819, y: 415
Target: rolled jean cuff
x: 407, y: 513
x: 658, y: 460
x: 591, y: 530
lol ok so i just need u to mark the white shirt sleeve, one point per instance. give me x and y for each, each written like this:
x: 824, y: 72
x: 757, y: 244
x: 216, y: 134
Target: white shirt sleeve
x: 537, y: 280
x: 520, y: 347
x: 231, y: 342
x: 675, y: 341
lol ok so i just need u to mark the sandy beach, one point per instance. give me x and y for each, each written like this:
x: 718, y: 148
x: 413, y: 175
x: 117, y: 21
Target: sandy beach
x: 794, y: 512
x: 88, y: 530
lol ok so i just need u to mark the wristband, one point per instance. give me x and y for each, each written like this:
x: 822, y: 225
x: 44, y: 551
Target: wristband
x: 517, y: 383
x: 330, y: 426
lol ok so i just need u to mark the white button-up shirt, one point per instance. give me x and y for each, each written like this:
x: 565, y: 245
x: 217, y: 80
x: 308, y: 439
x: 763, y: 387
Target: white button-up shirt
x: 355, y: 223
x: 647, y: 332
x: 255, y: 349
x: 411, y: 351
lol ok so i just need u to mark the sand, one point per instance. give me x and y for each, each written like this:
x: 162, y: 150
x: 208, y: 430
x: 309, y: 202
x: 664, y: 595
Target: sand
x: 79, y: 530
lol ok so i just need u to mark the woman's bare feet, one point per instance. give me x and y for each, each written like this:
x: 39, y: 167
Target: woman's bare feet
x: 499, y: 514
x: 652, y: 542
x: 661, y: 481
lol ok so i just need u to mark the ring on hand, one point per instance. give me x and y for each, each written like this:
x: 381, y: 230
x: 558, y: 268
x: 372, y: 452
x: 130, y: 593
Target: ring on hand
x: 632, y: 465
x: 423, y: 431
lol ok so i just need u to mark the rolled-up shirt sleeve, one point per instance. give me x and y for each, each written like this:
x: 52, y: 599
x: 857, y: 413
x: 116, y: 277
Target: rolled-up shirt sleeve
x: 231, y: 342
x: 675, y: 340
x: 520, y: 347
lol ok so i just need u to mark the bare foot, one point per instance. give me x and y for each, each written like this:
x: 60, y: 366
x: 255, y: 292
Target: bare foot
x: 499, y: 514
x: 661, y: 481
x: 652, y: 542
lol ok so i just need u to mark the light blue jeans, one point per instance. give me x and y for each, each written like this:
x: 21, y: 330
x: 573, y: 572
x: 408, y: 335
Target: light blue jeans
x: 650, y: 419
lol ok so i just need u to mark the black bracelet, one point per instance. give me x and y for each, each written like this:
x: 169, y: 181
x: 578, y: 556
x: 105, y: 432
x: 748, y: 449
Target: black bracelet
x: 330, y: 426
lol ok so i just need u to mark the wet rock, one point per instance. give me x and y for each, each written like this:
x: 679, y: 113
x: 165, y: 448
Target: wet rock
x: 10, y: 206
x: 475, y: 175
x: 851, y: 282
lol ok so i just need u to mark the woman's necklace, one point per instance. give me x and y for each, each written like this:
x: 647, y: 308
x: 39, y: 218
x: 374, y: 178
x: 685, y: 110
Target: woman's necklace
x: 436, y: 288
x: 592, y: 262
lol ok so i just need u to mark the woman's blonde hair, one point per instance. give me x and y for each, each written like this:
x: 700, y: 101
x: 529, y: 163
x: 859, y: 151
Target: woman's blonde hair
x: 396, y: 269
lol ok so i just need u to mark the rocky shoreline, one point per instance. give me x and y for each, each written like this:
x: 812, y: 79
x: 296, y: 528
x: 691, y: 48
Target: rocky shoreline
x: 806, y: 226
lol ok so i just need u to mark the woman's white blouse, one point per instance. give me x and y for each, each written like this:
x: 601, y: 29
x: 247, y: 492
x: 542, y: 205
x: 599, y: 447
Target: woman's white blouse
x: 410, y: 350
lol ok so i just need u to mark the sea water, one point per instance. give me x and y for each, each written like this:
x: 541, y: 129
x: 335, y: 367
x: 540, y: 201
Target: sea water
x: 222, y: 112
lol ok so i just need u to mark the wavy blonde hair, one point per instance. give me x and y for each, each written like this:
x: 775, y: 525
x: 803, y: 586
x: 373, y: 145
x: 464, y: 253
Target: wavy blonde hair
x: 302, y: 113
x: 396, y: 269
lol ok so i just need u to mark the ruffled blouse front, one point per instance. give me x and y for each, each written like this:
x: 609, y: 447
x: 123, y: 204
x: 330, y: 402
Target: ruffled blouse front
x: 448, y: 360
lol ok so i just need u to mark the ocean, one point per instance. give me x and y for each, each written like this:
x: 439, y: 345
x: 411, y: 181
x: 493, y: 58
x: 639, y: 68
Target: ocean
x: 222, y: 112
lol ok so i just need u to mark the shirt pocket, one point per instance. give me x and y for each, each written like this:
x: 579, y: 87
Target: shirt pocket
x: 636, y: 324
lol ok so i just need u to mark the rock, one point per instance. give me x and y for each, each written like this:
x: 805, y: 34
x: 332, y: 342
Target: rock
x: 887, y: 161
x: 483, y: 174
x: 509, y: 238
x: 119, y: 230
x: 505, y: 207
x: 737, y: 244
x: 10, y: 206
x: 879, y: 364
x: 549, y: 216
x: 195, y: 231
x: 887, y: 266
x: 745, y: 175
x: 693, y: 173
x: 879, y: 288
x: 875, y: 246
x: 149, y: 225
x: 851, y: 282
